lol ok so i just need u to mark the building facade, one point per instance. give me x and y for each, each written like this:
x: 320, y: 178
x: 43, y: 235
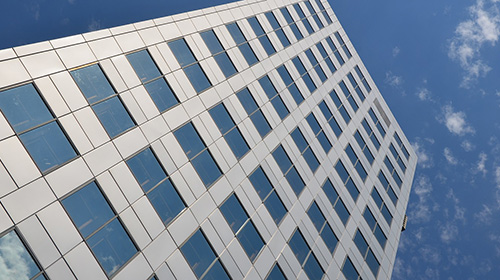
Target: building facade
x: 243, y: 141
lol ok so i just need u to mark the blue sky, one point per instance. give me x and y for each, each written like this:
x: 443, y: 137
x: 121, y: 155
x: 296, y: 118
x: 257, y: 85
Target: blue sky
x: 436, y: 63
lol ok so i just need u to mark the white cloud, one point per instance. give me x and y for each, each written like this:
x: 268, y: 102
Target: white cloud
x: 14, y: 258
x: 481, y: 164
x: 424, y: 159
x: 94, y: 25
x: 423, y: 94
x: 482, y: 27
x: 449, y: 232
x: 485, y: 215
x: 467, y: 146
x: 393, y: 80
x: 395, y: 51
x: 455, y: 121
x: 422, y: 210
x: 449, y: 156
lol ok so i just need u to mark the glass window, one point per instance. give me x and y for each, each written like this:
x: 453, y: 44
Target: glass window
x: 299, y: 11
x: 202, y: 258
x: 335, y: 51
x: 348, y: 95
x: 143, y: 65
x: 276, y: 273
x: 305, y: 256
x: 268, y: 194
x: 330, y: 118
x: 261, y: 34
x: 310, y: 7
x: 324, y: 229
x: 272, y: 94
x: 285, y: 75
x: 106, y: 104
x: 295, y: 181
x: 146, y: 69
x: 266, y: 44
x: 362, y: 78
x: 282, y: 37
x: 272, y: 20
x: 296, y: 32
x: 286, y: 15
x: 229, y: 130
x: 356, y: 87
x: 296, y: 94
x: 349, y: 271
x: 340, y: 106
x: 16, y: 260
x: 154, y: 182
x: 197, y: 77
x: 100, y: 227
x: 220, y: 56
x: 309, y: 82
x: 182, y: 52
x: 318, y: 21
x: 242, y: 43
x: 343, y: 45
x: 257, y: 28
x: 253, y: 110
x: 242, y: 226
x: 282, y: 159
x: 248, y: 54
x: 236, y: 33
x: 197, y: 152
x: 36, y: 126
x: 308, y: 26
x: 304, y: 148
x: 346, y: 178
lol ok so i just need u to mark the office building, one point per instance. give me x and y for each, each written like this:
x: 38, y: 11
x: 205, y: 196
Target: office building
x: 243, y: 141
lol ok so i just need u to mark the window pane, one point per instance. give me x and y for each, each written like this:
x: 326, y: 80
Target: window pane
x: 222, y: 118
x: 146, y: 169
x: 276, y: 273
x: 379, y: 234
x: 189, y: 139
x: 286, y: 15
x: 237, y: 143
x: 212, y: 42
x: 342, y: 211
x: 48, y: 146
x: 197, y: 77
x: 88, y: 209
x: 353, y: 190
x: 360, y: 242
x: 295, y: 181
x: 206, y: 167
x: 182, y: 52
x: 275, y: 207
x: 166, y: 201
x: 296, y: 31
x: 316, y: 216
x: 250, y: 240
x: 313, y: 123
x: 280, y: 107
x: 299, y: 246
x: 372, y: 262
x: 266, y: 44
x: 257, y: 28
x: 234, y: 213
x: 16, y: 261
x: 236, y: 33
x: 349, y: 271
x: 216, y: 272
x: 272, y: 20
x: 93, y: 83
x: 261, y: 183
x: 329, y: 238
x: 248, y: 53
x: 260, y: 123
x: 23, y: 107
x: 282, y: 37
x: 285, y: 76
x: 282, y: 159
x: 309, y: 82
x: 112, y: 246
x: 247, y: 101
x: 311, y: 159
x: 298, y: 64
x: 113, y: 116
x: 299, y: 139
x: 143, y: 65
x: 268, y: 87
x: 198, y: 253
x: 299, y: 11
x: 162, y: 94
x: 295, y: 92
x: 313, y: 269
x: 225, y: 64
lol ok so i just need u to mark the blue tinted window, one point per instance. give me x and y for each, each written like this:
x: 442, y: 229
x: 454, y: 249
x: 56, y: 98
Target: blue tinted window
x: 337, y: 54
x: 234, y: 213
x: 268, y: 87
x: 295, y: 92
x: 236, y: 33
x: 313, y: 268
x: 387, y: 215
x: 325, y: 143
x: 113, y: 116
x: 349, y: 271
x: 212, y: 41
x: 268, y: 195
x: 197, y: 152
x: 342, y: 211
x: 200, y: 255
x: 379, y: 234
x: 104, y: 233
x: 88, y: 209
x: 308, y: 26
x: 377, y: 198
x: 112, y: 246
x: 299, y: 139
x: 372, y: 262
x: 313, y: 123
x: 143, y: 65
x: 197, y: 77
x: 318, y: 21
x: 225, y: 64
x: 320, y: 72
x: 285, y: 76
x: 93, y: 83
x: 162, y: 94
x: 327, y: 17
x: 362, y: 78
x: 310, y: 7
x: 329, y: 238
x: 272, y: 20
x: 149, y: 173
x: 309, y: 82
x: 299, y: 11
x: 341, y: 171
x: 299, y: 246
x: 250, y: 240
x: 299, y: 65
x: 330, y: 192
x: 24, y: 108
x: 48, y: 146
x: 311, y: 57
x: 348, y: 95
x: 17, y: 262
x: 276, y: 273
x: 330, y: 65
x: 316, y: 216
x: 296, y: 31
x: 182, y: 52
x: 320, y: 5
x: 229, y: 130
x: 295, y: 181
x: 286, y: 15
x: 266, y: 44
x: 254, y: 112
x: 257, y: 28
x: 248, y: 54
x: 283, y: 38
x: 353, y: 190
x: 282, y: 159
x: 369, y: 218
x: 360, y: 242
